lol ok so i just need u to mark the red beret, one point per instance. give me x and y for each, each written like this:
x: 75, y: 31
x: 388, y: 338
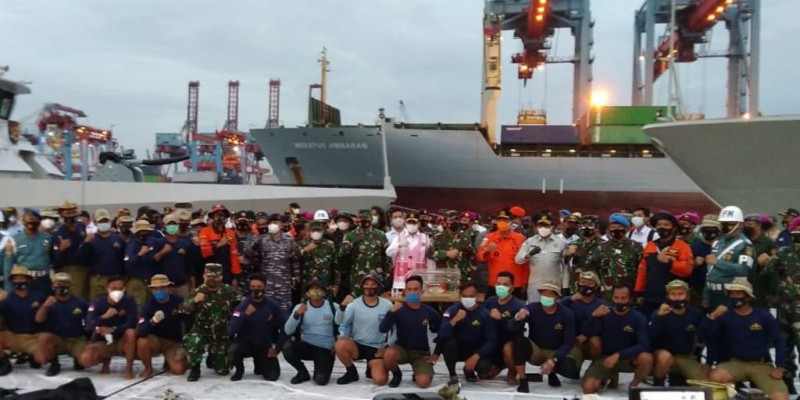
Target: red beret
x: 517, y: 211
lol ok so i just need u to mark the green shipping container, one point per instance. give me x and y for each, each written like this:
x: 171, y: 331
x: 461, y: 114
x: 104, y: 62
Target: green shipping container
x: 618, y: 134
x: 151, y: 178
x: 623, y: 115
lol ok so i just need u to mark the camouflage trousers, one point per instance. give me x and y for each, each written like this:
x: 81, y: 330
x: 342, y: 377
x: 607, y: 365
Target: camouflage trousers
x: 789, y: 321
x: 195, y: 344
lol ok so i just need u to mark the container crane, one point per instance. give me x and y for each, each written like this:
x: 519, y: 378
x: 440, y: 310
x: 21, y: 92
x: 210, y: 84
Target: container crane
x: 274, y: 104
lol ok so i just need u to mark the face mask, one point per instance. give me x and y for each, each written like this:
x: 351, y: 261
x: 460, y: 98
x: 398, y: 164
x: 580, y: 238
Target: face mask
x: 547, y: 301
x: 637, y: 221
x: 749, y: 231
x: 413, y: 297
x: 20, y: 285
x: 286, y: 228
x: 684, y: 230
x: 243, y: 227
x: 213, y: 283
x: 184, y: 227
x: 296, y: 210
x: 32, y: 226
x: 469, y: 302
x: 412, y: 228
x: 729, y: 227
x: 229, y: 225
x: 737, y: 302
x: 375, y: 220
x: 503, y: 226
x: 171, y: 229
x: 258, y: 294
x: 263, y: 230
x: 160, y: 295
x: 12, y: 219
x: 709, y: 234
x: 70, y: 220
x: 617, y: 234
x: 514, y: 227
x: 586, y: 290
x: 316, y: 235
x: 398, y: 223
x: 364, y: 224
x: 587, y: 232
x: 116, y: 295
x: 664, y: 232
x: 125, y: 229
x: 48, y: 223
x: 569, y: 232
x: 544, y: 232
x: 423, y: 223
x: 455, y: 226
x: 315, y: 294
x: 273, y: 228
x: 796, y: 237
x: 104, y: 227
x: 61, y: 290
x: 370, y: 292
x: 677, y: 304
x: 343, y: 226
x: 620, y: 307
x: 502, y: 291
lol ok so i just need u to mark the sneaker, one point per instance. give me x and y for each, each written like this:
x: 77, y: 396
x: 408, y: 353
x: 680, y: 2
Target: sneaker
x: 470, y: 376
x: 54, y: 368
x: 350, y: 376
x: 397, y: 377
x: 301, y: 377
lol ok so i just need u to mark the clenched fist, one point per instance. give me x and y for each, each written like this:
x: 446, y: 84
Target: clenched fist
x: 199, y: 297
x: 158, y: 316
x: 495, y: 314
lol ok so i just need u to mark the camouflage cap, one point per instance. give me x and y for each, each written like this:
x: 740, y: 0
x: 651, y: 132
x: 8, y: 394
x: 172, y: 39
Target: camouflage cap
x: 375, y: 277
x: 365, y: 213
x: 317, y: 225
x: 677, y: 284
x: 213, y: 269
x: 141, y: 225
x: 315, y: 282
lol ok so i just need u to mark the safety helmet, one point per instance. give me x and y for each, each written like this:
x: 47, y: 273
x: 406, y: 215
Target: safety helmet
x: 731, y: 214
x: 219, y: 208
x: 321, y: 215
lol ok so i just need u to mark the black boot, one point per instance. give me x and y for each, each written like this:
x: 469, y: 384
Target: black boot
x: 194, y: 374
x: 54, y: 368
x: 470, y: 376
x: 5, y: 366
x: 659, y: 382
x: 76, y: 365
x: 553, y: 381
x: 523, y: 385
x: 350, y: 376
x: 302, y: 376
x: 397, y: 377
x: 238, y: 372
x: 33, y: 364
x: 209, y: 362
x: 368, y: 372
x: 789, y: 381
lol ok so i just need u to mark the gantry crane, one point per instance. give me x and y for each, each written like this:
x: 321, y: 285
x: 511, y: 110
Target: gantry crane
x: 534, y: 22
x: 693, y: 20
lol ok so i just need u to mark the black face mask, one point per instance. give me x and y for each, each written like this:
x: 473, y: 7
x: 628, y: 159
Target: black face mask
x: 258, y: 294
x: 70, y: 220
x: 263, y: 231
x: 617, y: 234
x: 32, y: 226
x: 620, y: 307
x: 677, y: 304
x: 455, y: 227
x: 20, y: 285
x: 684, y: 230
x: 728, y: 227
x: 709, y: 234
x: 526, y: 225
x: 569, y: 232
x: 749, y: 231
x: 587, y: 232
x: 286, y: 228
x: 423, y: 223
x: 586, y: 290
x: 664, y: 232
x: 364, y: 224
x: 125, y: 229
x: 243, y: 227
x: 737, y: 302
x: 183, y: 226
x: 61, y: 290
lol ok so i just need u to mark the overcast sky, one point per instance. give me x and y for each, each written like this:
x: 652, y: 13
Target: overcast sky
x: 127, y: 63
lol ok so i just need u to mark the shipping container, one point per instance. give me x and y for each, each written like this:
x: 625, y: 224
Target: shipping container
x: 625, y: 115
x: 617, y: 134
x: 535, y: 134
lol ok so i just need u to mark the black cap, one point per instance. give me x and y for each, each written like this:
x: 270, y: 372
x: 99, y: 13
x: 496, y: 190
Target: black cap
x: 274, y: 217
x: 663, y: 215
x: 315, y: 282
x: 374, y: 277
x: 241, y: 215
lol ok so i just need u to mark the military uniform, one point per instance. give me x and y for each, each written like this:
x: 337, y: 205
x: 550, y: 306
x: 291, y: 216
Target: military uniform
x: 210, y: 322
x: 366, y: 247
x: 617, y: 263
x: 786, y: 265
x: 461, y: 241
x: 278, y: 259
x: 319, y: 263
x: 734, y: 259
x: 585, y: 258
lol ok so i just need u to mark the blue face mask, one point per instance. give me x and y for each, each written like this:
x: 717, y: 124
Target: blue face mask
x: 548, y: 301
x: 160, y: 295
x: 502, y: 291
x: 413, y: 297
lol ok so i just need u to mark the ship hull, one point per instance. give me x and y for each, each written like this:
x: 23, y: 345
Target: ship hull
x: 747, y: 163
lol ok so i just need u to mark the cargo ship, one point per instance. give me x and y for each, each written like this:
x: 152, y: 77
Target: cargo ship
x: 604, y: 163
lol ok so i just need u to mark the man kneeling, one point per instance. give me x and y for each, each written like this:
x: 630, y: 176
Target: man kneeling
x: 161, y: 329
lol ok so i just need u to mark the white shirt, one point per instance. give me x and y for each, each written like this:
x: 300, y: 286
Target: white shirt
x: 642, y: 235
x: 393, y: 234
x: 411, y: 241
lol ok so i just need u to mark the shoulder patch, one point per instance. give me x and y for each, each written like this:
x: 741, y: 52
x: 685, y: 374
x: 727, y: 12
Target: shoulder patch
x: 627, y: 329
x: 122, y: 313
x: 756, y: 327
x: 35, y: 304
x: 476, y: 322
x: 559, y: 326
x: 77, y: 311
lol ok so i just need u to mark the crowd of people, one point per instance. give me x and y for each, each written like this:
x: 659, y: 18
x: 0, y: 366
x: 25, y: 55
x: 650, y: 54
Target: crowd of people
x: 667, y: 297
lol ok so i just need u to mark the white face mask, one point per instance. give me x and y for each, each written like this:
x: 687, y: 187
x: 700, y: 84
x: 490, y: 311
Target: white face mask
x: 229, y: 225
x: 103, y: 226
x: 514, y: 227
x: 116, y: 295
x: 469, y: 302
x: 637, y: 221
x: 273, y: 228
x: 296, y: 210
x: 316, y: 236
x: 398, y: 223
x: 343, y: 226
x: 412, y: 228
x: 544, y: 232
x: 374, y: 220
x: 48, y: 223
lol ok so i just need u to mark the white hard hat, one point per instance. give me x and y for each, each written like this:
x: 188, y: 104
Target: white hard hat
x: 2, y: 216
x: 321, y: 215
x: 731, y: 214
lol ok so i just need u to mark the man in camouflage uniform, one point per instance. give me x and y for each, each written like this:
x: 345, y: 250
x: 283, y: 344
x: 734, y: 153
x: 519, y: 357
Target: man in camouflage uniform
x: 453, y: 249
x: 244, y: 241
x: 786, y: 264
x: 619, y: 257
x: 583, y: 255
x: 344, y: 224
x: 318, y: 260
x: 366, y: 247
x: 211, y: 305
x: 278, y: 256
